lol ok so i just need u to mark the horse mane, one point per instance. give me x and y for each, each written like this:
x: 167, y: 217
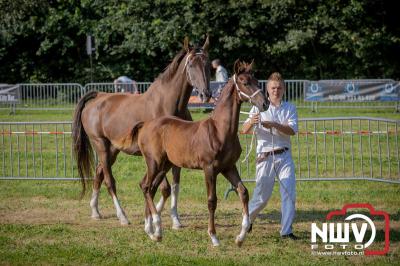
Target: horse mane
x: 222, y: 93
x: 171, y: 69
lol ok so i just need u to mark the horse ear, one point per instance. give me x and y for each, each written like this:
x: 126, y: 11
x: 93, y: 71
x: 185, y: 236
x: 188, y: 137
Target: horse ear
x: 206, y: 44
x: 186, y: 44
x: 237, y: 67
x: 249, y: 67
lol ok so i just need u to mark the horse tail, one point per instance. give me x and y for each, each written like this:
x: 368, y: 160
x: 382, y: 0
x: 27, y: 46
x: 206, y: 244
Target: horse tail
x: 82, y: 149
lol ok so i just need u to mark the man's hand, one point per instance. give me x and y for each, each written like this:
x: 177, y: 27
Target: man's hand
x: 255, y: 119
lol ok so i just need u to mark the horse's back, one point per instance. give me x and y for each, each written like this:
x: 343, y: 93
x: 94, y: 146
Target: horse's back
x: 112, y: 116
x: 187, y: 144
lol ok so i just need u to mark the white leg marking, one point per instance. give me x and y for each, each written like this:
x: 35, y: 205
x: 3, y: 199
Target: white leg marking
x: 148, y: 226
x: 160, y: 205
x: 176, y: 224
x: 214, y: 240
x: 120, y: 213
x: 157, y: 228
x: 245, y: 226
x: 94, y: 204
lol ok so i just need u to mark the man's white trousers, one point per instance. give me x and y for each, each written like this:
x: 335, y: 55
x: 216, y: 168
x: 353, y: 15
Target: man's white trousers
x: 265, y: 179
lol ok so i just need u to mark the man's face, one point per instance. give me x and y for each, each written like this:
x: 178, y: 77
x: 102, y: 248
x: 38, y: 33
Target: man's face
x: 275, y: 90
x: 214, y: 65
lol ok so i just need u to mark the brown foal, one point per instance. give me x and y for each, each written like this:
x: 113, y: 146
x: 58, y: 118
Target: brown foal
x: 105, y: 120
x: 211, y: 145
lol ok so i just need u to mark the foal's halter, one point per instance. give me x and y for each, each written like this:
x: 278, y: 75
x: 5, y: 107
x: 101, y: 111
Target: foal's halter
x: 188, y: 76
x: 249, y: 97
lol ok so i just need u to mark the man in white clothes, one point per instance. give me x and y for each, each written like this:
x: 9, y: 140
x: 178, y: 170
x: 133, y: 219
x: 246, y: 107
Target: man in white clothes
x: 274, y: 155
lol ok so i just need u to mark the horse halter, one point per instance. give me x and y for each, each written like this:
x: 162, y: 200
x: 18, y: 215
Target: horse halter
x: 240, y: 93
x: 188, y: 76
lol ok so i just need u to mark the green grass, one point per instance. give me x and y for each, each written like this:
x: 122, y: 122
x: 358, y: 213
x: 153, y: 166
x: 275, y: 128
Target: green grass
x: 44, y: 222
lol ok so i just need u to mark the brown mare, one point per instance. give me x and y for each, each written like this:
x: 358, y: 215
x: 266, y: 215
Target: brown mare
x: 211, y: 145
x: 105, y: 120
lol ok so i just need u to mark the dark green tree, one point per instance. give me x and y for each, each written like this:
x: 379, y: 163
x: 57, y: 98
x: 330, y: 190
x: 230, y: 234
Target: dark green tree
x: 44, y: 41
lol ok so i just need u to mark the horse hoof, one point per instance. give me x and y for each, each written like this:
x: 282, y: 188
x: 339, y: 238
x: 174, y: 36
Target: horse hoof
x: 217, y: 244
x: 96, y: 217
x: 215, y: 241
x: 156, y: 238
x: 123, y: 220
x: 238, y: 242
x: 177, y: 226
x: 125, y: 223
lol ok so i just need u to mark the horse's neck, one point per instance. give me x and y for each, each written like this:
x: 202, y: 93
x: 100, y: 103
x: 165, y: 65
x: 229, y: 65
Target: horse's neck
x: 183, y: 91
x: 173, y: 94
x: 226, y: 113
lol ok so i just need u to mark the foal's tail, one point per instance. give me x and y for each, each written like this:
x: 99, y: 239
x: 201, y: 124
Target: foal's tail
x: 82, y: 148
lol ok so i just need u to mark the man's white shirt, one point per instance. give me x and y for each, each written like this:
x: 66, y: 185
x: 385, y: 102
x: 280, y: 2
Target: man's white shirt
x: 285, y: 114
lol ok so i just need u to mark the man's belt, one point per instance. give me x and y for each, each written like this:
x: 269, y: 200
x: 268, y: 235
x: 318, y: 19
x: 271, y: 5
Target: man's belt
x: 264, y: 155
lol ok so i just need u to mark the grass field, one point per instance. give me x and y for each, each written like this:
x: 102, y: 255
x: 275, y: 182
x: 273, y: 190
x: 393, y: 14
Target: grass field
x: 44, y: 222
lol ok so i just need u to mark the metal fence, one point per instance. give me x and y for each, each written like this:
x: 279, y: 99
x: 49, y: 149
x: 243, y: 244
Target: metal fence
x: 51, y: 96
x: 110, y: 87
x: 342, y: 148
x: 36, y: 150
x: 350, y: 148
x: 65, y: 96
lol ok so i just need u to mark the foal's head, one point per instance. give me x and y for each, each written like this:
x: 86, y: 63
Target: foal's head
x: 247, y: 86
x: 198, y: 69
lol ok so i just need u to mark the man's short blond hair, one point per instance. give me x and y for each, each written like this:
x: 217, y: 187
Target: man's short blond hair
x: 276, y: 76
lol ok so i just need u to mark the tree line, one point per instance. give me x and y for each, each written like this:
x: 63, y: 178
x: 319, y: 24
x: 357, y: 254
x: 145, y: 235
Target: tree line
x: 44, y: 41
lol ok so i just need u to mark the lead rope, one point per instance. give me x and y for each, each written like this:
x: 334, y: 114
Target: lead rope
x: 252, y: 137
x: 257, y: 112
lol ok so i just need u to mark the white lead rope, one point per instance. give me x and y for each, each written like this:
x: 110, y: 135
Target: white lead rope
x: 252, y: 137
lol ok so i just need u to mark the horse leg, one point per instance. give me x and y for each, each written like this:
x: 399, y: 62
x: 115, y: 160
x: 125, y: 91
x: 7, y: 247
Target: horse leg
x: 148, y: 220
x: 176, y: 173
x: 211, y: 178
x: 97, y: 181
x: 94, y: 202
x: 104, y: 150
x: 165, y: 189
x: 232, y: 176
x: 149, y: 184
x: 166, y: 192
